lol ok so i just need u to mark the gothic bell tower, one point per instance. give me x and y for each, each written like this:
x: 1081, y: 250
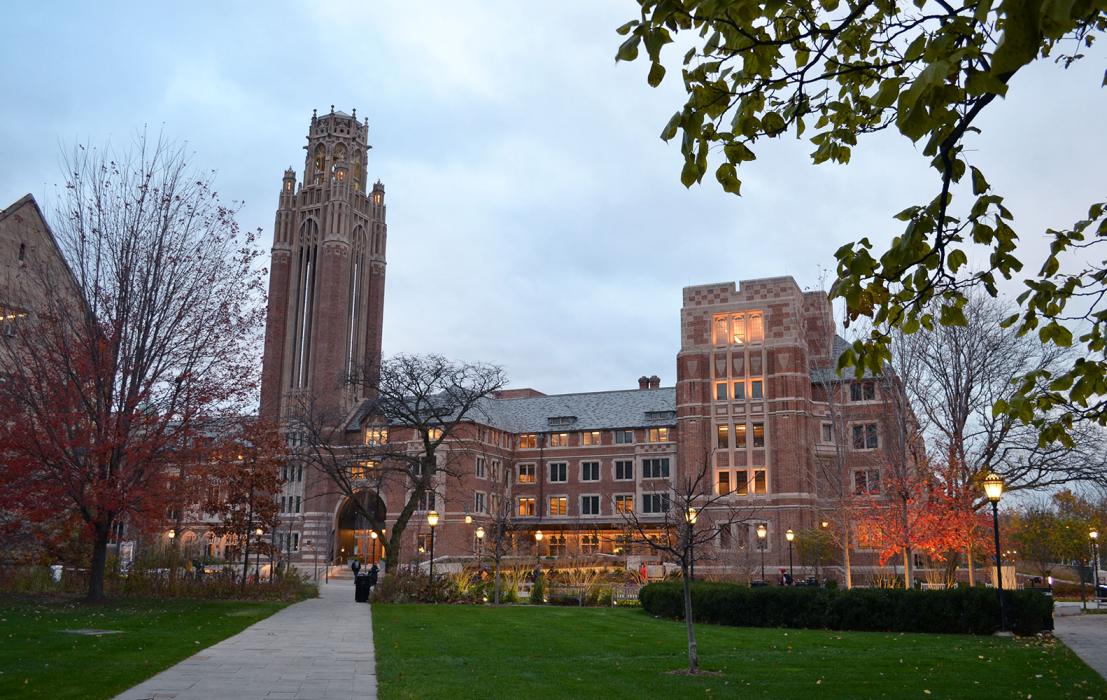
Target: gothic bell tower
x: 326, y: 276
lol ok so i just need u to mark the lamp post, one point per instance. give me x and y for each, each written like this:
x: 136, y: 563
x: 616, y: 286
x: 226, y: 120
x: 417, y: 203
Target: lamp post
x: 789, y: 535
x: 257, y: 555
x: 480, y: 547
x: 819, y: 551
x: 1094, y: 537
x: 690, y: 517
x: 432, y: 521
x: 762, y: 531
x: 537, y: 543
x: 993, y: 489
x: 373, y: 552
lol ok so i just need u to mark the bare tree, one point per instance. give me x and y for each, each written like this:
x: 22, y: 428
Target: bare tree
x: 834, y: 473
x: 153, y: 325
x: 414, y: 438
x: 686, y: 516
x: 501, y: 525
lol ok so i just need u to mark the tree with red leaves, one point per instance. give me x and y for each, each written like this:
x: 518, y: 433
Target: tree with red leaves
x: 152, y: 328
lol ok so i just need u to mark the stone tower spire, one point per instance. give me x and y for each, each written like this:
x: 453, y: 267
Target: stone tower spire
x: 326, y: 283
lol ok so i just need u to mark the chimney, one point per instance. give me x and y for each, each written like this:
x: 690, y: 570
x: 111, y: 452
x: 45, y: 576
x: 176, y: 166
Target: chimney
x: 655, y: 382
x: 643, y: 382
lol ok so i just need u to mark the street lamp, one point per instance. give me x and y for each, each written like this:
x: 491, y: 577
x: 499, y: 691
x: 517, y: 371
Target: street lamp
x: 432, y: 520
x: 373, y: 553
x: 789, y: 535
x: 480, y: 546
x: 993, y: 489
x: 468, y: 519
x: 1094, y: 536
x: 690, y: 517
x: 762, y: 531
x: 257, y: 555
x: 537, y: 543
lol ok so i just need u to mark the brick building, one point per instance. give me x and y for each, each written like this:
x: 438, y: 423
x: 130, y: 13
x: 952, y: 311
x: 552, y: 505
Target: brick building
x: 756, y: 403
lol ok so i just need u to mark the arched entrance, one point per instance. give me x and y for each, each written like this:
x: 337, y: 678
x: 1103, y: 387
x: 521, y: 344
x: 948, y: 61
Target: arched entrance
x: 354, y: 538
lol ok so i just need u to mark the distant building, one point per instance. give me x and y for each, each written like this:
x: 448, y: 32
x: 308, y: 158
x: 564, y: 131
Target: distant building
x: 752, y: 404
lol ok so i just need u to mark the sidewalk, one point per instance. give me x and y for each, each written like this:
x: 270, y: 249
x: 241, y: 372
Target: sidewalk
x: 1087, y: 636
x: 321, y: 648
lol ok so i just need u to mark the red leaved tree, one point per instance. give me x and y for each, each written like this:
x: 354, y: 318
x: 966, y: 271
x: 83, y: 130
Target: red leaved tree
x: 153, y: 326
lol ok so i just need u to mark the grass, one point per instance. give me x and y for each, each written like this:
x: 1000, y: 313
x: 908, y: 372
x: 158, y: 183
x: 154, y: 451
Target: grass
x: 39, y: 659
x: 551, y: 652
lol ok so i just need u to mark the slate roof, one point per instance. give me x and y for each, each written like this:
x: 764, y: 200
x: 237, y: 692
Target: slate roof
x: 599, y: 410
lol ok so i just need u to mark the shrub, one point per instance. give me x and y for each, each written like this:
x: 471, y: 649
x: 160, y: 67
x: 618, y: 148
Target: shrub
x: 958, y: 610
x: 416, y: 587
x: 537, y: 592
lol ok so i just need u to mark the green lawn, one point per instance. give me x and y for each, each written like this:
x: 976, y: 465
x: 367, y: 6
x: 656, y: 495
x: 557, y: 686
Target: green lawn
x: 39, y: 659
x: 548, y: 652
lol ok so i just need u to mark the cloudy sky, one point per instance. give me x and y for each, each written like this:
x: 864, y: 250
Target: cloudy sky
x: 535, y: 218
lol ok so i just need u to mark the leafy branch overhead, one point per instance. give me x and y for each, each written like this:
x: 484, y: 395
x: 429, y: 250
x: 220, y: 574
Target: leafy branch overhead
x: 832, y: 72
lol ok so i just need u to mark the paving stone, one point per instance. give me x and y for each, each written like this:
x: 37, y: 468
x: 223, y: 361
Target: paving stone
x: 314, y: 650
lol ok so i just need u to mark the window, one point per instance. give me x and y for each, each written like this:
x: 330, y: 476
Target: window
x: 376, y: 436
x: 297, y: 504
x: 559, y: 506
x: 760, y: 481
x: 740, y: 436
x: 742, y: 482
x: 526, y: 474
x: 738, y: 330
x: 723, y: 432
x: 360, y: 470
x: 758, y: 434
x: 865, y: 437
x: 284, y: 507
x: 624, y: 503
x: 739, y: 391
x: 624, y: 437
x: 426, y: 501
x: 300, y: 473
x: 723, y: 483
x: 479, y: 467
x: 624, y: 470
x: 478, y: 502
x: 657, y: 435
x: 655, y: 502
x: 496, y: 470
x: 756, y: 328
x: 423, y: 542
x: 721, y: 335
x: 725, y: 540
x: 526, y: 506
x: 755, y: 389
x: 589, y: 471
x: 655, y: 468
x: 559, y: 439
x: 866, y: 482
x: 590, y: 543
x: 828, y: 433
x: 720, y: 391
x: 557, y: 545
x: 296, y: 542
x: 589, y: 505
x: 528, y: 441
x: 559, y: 472
x: 862, y: 391
x: 590, y: 438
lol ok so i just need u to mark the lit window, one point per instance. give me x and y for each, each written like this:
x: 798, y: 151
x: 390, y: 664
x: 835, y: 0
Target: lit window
x: 589, y: 505
x: 589, y: 471
x: 361, y: 469
x: 756, y: 328
x: 723, y: 483
x: 559, y: 506
x: 758, y: 434
x: 738, y: 329
x: 721, y: 335
x: 528, y: 441
x: 740, y: 436
x: 760, y: 481
x: 376, y: 436
x: 723, y: 433
x: 526, y: 474
x: 655, y: 468
x: 526, y: 506
x: 557, y: 545
x: 624, y: 470
x: 590, y: 438
x: 559, y: 439
x: 624, y: 503
x: 559, y: 472
x: 741, y: 482
x: 590, y: 543
x: 624, y: 437
x: 658, y: 435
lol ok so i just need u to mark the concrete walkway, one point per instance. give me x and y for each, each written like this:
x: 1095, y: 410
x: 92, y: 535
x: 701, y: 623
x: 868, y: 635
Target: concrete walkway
x: 1087, y: 636
x: 321, y: 648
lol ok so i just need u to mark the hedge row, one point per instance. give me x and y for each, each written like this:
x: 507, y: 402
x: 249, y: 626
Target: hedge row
x: 958, y: 610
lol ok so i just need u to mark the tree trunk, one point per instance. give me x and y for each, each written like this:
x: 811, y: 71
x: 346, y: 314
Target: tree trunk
x: 693, y: 653
x: 907, y: 568
x: 972, y: 571
x: 846, y: 556
x: 246, y: 560
x: 496, y: 586
x: 99, y: 563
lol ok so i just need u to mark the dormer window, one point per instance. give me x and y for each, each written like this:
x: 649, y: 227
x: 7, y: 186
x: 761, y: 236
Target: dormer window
x: 561, y: 421
x: 376, y: 436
